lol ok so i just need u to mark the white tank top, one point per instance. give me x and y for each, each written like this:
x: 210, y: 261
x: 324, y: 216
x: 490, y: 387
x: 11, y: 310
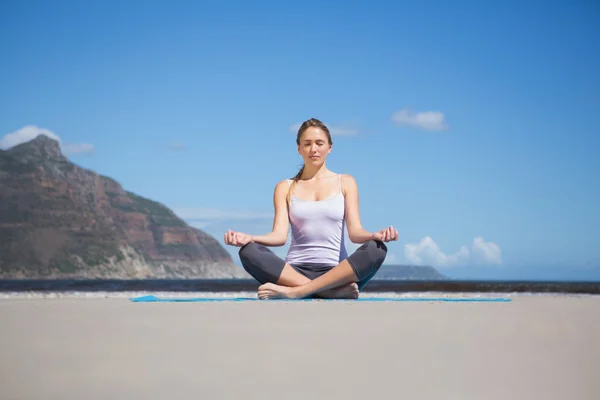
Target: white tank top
x: 317, y: 230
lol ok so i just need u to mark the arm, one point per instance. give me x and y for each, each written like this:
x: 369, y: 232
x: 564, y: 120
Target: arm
x: 281, y: 223
x: 356, y: 233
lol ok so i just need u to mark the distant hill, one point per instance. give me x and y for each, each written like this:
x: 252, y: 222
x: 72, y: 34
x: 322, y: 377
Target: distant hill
x: 58, y: 220
x: 409, y: 272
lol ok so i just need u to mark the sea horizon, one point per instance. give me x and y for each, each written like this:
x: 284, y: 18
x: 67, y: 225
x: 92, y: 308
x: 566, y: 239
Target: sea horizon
x: 212, y: 287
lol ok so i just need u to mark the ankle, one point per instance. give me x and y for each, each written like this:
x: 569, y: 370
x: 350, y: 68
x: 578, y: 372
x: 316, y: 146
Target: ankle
x: 299, y: 292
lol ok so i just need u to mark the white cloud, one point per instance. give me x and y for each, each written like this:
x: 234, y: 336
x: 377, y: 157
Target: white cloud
x: 25, y: 134
x: 176, y: 145
x: 427, y: 251
x: 335, y: 130
x: 338, y: 130
x: 215, y: 213
x: 30, y: 132
x: 427, y: 120
x: 486, y: 252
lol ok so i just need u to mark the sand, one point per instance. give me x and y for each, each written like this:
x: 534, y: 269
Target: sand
x: 536, y: 347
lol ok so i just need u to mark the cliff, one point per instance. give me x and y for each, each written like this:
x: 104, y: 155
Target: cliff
x: 58, y: 220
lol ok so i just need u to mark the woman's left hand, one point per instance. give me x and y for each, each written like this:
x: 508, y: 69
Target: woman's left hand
x: 386, y: 235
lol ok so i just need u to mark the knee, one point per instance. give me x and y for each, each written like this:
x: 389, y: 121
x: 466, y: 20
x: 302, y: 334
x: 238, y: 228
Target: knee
x: 367, y: 259
x: 251, y: 252
x: 246, y: 251
x: 376, y: 250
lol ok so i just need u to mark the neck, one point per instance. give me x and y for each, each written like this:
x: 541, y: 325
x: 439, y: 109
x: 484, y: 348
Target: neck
x: 312, y: 172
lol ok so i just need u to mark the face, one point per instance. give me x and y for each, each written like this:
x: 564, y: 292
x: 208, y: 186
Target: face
x: 314, y: 146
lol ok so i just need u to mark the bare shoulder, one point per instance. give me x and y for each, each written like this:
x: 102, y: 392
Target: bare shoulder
x: 348, y: 183
x: 347, y: 178
x: 282, y: 184
x: 282, y: 187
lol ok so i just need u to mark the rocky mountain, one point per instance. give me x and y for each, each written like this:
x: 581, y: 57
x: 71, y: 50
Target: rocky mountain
x: 409, y: 272
x: 58, y: 220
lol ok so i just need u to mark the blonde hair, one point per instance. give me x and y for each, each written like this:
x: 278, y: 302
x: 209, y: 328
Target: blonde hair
x: 313, y: 122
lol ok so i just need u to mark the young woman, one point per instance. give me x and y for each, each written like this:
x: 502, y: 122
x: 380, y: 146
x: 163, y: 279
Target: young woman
x: 318, y: 204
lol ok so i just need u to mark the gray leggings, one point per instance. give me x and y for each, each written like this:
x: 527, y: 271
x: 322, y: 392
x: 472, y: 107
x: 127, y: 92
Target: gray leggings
x: 265, y: 266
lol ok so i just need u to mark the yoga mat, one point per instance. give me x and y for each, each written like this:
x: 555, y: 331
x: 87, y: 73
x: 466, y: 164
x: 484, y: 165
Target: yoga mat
x: 154, y: 299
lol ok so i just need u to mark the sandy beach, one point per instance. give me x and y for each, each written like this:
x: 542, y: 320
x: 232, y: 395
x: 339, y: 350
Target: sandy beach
x: 535, y: 347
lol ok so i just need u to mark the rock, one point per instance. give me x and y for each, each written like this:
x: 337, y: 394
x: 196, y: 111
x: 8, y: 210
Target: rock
x: 58, y: 220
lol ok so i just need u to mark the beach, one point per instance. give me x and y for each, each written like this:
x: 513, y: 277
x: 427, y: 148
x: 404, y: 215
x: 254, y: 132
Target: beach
x: 534, y: 347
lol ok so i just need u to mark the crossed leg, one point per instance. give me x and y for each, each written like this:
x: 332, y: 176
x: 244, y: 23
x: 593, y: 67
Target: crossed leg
x: 266, y: 267
x: 284, y: 282
x: 340, y: 275
x: 291, y: 278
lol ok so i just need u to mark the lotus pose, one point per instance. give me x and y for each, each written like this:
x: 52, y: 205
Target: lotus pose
x: 318, y: 204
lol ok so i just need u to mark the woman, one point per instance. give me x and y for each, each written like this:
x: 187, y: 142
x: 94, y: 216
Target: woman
x: 318, y: 204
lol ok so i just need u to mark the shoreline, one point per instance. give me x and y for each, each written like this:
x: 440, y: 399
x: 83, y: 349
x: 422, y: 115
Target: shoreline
x: 239, y: 285
x: 126, y: 295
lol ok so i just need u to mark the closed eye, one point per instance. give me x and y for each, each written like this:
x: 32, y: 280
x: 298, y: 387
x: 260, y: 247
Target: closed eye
x: 319, y: 143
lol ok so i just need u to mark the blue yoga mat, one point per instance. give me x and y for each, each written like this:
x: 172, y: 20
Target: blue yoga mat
x: 154, y: 299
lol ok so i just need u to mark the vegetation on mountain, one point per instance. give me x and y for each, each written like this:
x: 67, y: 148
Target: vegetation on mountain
x: 58, y: 220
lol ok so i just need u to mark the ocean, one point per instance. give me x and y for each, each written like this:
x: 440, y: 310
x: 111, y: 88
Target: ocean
x: 99, y: 288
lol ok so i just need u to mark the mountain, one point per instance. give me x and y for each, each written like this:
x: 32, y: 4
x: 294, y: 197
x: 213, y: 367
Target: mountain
x: 58, y: 220
x: 409, y: 272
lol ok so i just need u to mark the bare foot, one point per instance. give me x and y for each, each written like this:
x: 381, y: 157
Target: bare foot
x: 349, y: 291
x: 273, y: 291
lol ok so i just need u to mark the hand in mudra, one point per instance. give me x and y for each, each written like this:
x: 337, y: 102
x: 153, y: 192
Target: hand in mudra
x: 237, y: 238
x: 386, y: 235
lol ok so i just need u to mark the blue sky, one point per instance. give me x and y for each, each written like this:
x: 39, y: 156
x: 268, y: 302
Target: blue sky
x: 471, y: 127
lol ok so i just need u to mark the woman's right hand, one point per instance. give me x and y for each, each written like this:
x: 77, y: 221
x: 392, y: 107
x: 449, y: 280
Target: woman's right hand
x: 238, y: 239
